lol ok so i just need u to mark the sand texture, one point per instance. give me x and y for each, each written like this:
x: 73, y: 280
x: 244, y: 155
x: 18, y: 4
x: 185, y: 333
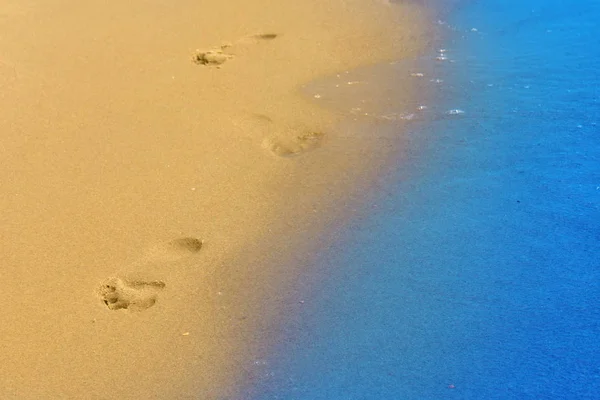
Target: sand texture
x: 160, y: 175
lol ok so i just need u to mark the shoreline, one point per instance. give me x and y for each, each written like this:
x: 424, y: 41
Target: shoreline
x: 114, y: 149
x: 457, y: 282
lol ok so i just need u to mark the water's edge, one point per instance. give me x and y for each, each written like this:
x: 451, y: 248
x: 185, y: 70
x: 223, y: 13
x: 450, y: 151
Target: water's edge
x: 473, y: 275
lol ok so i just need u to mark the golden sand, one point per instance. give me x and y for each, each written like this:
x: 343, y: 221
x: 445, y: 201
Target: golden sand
x: 131, y: 129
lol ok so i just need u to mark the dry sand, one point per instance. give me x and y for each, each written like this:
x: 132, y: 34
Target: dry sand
x: 129, y: 130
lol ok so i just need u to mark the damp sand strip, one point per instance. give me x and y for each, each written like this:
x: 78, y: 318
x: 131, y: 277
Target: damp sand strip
x: 152, y: 124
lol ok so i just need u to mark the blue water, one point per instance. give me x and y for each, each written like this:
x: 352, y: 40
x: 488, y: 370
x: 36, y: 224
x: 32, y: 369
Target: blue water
x: 478, y: 277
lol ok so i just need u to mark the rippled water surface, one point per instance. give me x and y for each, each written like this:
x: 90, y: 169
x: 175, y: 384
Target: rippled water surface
x: 477, y: 275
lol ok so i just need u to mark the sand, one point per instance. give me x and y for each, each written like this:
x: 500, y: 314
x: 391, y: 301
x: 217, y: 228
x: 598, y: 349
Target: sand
x: 164, y: 182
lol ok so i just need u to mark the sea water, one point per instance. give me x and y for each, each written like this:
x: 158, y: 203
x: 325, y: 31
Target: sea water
x: 477, y: 274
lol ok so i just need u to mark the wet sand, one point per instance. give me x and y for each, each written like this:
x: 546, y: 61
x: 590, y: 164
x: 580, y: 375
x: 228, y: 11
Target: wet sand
x: 164, y: 183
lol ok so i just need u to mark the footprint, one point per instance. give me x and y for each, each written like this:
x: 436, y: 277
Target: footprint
x: 283, y: 140
x: 212, y: 57
x: 254, y: 39
x: 132, y: 295
x: 137, y: 289
x: 217, y: 56
x: 174, y: 249
x: 290, y: 147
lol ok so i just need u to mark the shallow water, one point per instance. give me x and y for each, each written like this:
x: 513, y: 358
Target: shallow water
x: 475, y: 275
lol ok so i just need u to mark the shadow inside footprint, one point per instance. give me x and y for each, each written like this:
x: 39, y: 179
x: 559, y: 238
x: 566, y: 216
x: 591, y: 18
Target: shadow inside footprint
x: 256, y: 39
x: 132, y: 295
x: 265, y: 36
x: 174, y: 249
x: 285, y: 147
